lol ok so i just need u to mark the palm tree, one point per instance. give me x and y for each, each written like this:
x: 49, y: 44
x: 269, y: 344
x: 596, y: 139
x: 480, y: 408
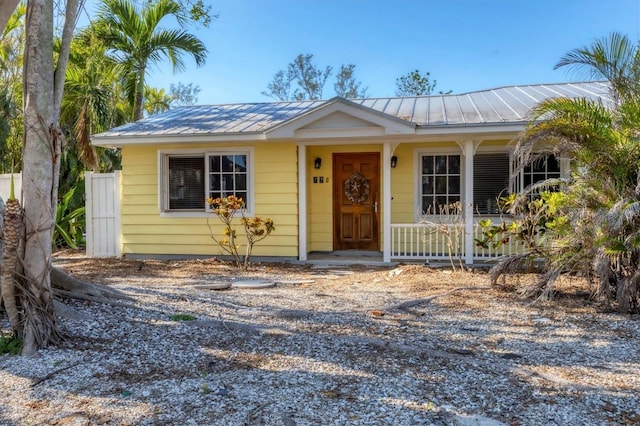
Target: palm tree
x: 614, y: 58
x: 90, y: 88
x: 136, y: 41
x: 599, y: 212
x: 156, y: 100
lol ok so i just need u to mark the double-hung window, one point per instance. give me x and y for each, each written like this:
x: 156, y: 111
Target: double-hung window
x: 189, y: 179
x: 227, y: 175
x: 441, y: 184
x: 541, y: 169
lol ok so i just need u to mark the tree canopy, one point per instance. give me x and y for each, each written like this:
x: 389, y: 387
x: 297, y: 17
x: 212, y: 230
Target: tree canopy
x: 135, y: 40
x: 302, y: 80
x: 415, y: 83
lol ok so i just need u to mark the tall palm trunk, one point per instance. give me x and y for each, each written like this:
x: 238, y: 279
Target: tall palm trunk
x: 139, y: 95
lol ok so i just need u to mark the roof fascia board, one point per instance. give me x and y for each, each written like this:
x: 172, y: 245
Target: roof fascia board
x: 164, y: 139
x: 391, y: 125
x: 468, y: 129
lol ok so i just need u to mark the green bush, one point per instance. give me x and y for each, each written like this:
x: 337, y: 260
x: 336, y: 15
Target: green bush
x: 70, y: 221
x: 10, y: 344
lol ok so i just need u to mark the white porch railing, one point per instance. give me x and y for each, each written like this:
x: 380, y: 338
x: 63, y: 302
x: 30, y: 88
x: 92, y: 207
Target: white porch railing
x: 431, y: 241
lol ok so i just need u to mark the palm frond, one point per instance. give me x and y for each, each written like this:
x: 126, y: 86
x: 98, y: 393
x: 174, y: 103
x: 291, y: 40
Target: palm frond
x: 613, y: 58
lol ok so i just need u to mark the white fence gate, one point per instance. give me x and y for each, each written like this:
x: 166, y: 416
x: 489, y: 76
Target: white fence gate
x: 102, y: 201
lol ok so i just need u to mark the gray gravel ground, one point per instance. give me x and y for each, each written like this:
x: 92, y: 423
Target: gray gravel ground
x: 320, y: 353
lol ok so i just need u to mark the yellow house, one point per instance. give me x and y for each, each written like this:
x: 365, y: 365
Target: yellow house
x: 365, y: 176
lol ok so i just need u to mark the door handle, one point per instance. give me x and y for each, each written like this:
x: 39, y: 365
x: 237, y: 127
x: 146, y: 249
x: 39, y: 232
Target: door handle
x: 375, y: 207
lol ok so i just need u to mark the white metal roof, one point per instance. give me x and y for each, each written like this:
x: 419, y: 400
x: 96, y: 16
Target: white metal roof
x: 503, y: 105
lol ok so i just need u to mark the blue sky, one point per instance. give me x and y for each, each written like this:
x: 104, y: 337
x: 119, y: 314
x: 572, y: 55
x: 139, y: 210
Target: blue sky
x: 466, y: 45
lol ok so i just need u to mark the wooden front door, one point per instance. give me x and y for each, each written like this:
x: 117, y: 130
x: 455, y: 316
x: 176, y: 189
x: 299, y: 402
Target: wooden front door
x: 356, y: 192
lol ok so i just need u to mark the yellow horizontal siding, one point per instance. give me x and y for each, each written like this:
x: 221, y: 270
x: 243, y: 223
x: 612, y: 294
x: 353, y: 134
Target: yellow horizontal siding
x: 276, y: 196
x: 403, y: 184
x: 144, y: 169
x: 141, y: 178
x: 289, y: 189
x: 131, y: 192
x: 280, y: 166
x: 194, y: 229
x: 489, y: 145
x: 144, y: 231
x: 275, y: 177
x: 177, y: 222
x: 288, y: 220
x: 203, y: 238
x: 279, y: 199
x: 203, y: 250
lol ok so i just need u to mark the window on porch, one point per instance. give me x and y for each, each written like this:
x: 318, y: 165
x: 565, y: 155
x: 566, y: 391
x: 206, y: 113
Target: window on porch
x: 492, y: 174
x: 543, y: 168
x: 490, y: 181
x: 441, y: 182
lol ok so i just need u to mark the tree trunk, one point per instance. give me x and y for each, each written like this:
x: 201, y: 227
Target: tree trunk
x: 40, y: 167
x: 139, y: 95
x: 43, y: 88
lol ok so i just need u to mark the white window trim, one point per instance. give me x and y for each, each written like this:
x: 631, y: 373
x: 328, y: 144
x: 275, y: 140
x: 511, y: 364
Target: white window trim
x: 417, y: 159
x: 163, y: 178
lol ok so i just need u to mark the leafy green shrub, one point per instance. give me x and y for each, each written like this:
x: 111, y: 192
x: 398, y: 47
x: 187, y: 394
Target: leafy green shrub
x: 255, y: 229
x: 70, y: 221
x: 10, y: 344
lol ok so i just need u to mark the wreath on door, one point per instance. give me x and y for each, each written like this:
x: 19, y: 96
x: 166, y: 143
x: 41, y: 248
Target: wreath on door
x: 356, y: 188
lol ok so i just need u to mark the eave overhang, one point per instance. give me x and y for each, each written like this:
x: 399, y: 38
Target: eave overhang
x: 493, y: 129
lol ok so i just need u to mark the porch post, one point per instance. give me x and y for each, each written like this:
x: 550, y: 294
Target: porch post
x: 302, y: 202
x: 468, y: 151
x: 386, y: 205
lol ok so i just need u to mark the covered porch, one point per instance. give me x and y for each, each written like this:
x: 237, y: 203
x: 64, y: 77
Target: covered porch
x: 406, y: 232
